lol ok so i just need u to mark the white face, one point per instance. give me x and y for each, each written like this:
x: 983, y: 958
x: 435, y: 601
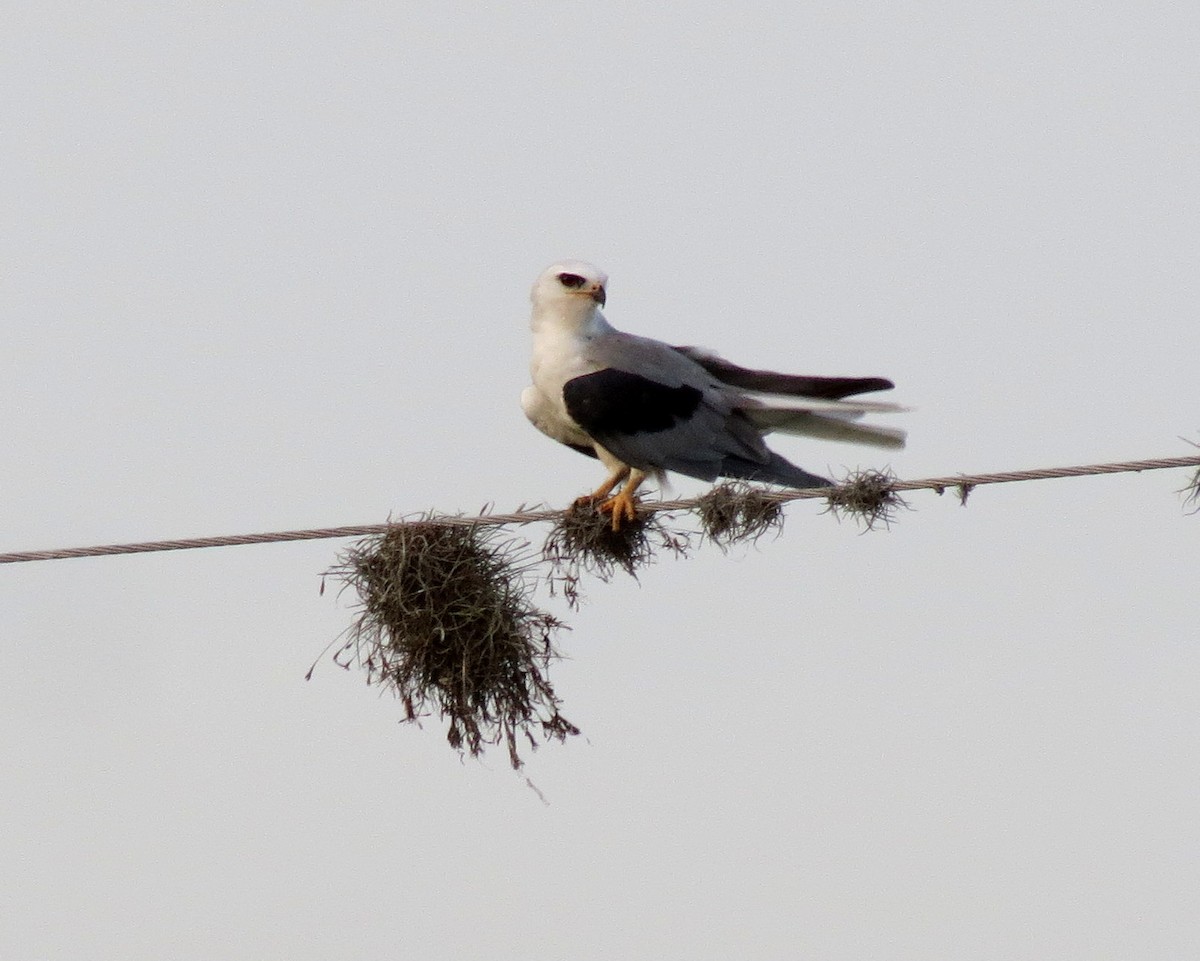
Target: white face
x: 571, y: 282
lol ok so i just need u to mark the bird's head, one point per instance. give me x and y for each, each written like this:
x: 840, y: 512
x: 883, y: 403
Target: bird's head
x: 569, y: 288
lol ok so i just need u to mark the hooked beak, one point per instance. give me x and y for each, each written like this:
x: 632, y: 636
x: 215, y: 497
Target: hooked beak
x: 599, y: 296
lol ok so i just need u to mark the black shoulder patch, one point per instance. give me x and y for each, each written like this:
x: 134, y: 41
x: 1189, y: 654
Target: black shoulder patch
x: 618, y: 402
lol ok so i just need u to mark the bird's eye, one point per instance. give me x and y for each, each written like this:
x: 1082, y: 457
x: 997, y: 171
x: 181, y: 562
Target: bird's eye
x: 571, y: 280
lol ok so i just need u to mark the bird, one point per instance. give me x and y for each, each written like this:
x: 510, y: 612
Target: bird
x: 644, y: 407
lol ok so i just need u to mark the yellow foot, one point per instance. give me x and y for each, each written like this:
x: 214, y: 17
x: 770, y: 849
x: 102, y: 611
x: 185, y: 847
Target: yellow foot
x: 622, y: 506
x: 601, y: 492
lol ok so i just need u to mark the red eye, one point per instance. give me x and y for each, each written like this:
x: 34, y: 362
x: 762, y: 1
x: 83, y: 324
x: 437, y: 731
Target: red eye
x: 573, y: 281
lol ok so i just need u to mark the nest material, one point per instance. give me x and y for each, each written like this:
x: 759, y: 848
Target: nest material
x: 447, y: 623
x: 1192, y: 493
x: 737, y: 511
x: 867, y: 496
x: 582, y: 541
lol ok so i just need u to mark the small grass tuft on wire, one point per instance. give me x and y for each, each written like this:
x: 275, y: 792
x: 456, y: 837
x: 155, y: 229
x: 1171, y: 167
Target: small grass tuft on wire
x: 737, y: 511
x: 1192, y: 493
x: 867, y: 496
x: 447, y: 623
x: 582, y: 541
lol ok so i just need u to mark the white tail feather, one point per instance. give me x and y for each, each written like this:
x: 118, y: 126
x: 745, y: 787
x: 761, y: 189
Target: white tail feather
x: 833, y: 426
x: 850, y: 406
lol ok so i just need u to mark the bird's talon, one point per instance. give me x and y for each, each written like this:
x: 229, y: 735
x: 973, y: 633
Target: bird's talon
x: 622, y: 508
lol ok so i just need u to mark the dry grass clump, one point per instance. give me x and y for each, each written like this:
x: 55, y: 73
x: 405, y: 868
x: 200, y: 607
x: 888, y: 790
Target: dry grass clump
x: 868, y: 497
x: 582, y: 541
x: 738, y: 512
x: 447, y: 623
x: 1192, y: 493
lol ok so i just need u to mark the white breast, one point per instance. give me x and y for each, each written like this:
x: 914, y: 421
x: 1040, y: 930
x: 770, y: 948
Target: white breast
x: 550, y: 418
x: 558, y: 356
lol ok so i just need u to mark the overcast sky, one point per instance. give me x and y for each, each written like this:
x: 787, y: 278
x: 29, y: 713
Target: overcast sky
x: 266, y: 266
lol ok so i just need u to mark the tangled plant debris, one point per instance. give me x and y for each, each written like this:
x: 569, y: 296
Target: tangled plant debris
x: 446, y: 619
x: 734, y: 512
x: 868, y: 496
x: 446, y: 622
x: 582, y: 541
x: 1192, y: 493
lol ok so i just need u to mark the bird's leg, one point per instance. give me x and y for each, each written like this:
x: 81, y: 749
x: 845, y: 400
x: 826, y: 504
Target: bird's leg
x: 622, y: 505
x: 615, y: 476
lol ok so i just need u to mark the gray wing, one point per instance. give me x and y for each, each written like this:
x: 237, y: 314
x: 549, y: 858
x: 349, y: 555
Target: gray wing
x: 657, y: 409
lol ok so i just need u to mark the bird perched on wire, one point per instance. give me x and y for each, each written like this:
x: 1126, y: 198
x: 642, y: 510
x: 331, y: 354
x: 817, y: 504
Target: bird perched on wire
x: 644, y: 407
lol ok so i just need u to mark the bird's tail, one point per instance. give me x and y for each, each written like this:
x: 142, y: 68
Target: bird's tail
x: 831, y: 425
x: 777, y: 470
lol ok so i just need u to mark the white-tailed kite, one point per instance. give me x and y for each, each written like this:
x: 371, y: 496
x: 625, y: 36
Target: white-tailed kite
x: 644, y: 407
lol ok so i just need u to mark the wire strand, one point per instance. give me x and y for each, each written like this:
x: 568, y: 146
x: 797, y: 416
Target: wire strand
x: 962, y: 482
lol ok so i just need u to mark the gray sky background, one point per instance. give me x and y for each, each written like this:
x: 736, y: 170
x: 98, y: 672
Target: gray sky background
x: 266, y: 266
